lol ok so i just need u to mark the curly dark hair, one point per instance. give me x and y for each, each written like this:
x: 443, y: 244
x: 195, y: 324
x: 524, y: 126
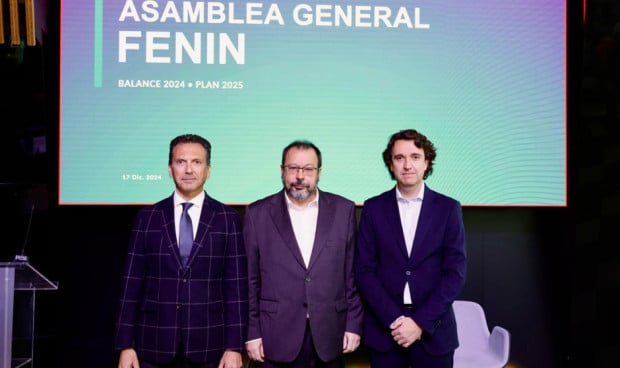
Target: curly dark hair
x: 419, y: 140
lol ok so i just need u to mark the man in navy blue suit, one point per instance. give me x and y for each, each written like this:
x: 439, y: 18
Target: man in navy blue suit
x: 184, y: 310
x: 410, y: 262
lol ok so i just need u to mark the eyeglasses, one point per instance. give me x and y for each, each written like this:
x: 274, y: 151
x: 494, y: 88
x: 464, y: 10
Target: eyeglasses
x: 293, y: 169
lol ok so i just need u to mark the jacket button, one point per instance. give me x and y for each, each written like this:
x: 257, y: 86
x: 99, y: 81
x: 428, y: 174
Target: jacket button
x: 307, y: 279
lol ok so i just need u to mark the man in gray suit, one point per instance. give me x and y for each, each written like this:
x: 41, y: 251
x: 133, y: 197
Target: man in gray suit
x: 304, y: 307
x: 184, y: 306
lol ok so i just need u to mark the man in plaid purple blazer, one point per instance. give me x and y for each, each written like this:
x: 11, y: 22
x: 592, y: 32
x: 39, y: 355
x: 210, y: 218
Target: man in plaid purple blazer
x: 171, y: 314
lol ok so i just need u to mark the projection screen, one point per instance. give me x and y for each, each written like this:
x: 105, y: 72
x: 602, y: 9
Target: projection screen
x: 485, y: 80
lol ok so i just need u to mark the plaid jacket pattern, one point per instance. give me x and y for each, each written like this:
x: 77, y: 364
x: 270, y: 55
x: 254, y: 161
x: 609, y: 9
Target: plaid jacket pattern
x: 201, y: 307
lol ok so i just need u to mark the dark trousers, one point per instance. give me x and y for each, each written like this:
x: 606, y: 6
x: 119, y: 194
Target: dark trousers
x: 412, y: 357
x: 307, y: 357
x: 179, y: 362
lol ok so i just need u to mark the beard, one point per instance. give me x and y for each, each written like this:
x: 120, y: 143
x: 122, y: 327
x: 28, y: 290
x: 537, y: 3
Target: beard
x: 299, y: 195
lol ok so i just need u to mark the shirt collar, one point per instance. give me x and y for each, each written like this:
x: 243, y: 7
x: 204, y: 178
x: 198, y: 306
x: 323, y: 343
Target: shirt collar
x: 419, y: 197
x: 196, y: 201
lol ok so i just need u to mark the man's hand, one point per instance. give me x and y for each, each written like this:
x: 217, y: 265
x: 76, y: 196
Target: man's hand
x: 350, y: 342
x: 405, y: 332
x: 255, y: 350
x: 128, y: 359
x: 231, y: 359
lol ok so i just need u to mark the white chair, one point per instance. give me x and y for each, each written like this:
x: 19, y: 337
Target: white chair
x: 477, y: 347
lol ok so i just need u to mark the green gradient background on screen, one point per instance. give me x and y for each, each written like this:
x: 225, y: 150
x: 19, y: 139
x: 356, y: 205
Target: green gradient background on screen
x: 486, y: 83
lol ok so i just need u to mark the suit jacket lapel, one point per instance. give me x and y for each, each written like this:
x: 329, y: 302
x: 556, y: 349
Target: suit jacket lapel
x: 324, y: 222
x: 426, y: 212
x: 206, y: 217
x: 282, y: 222
x: 392, y: 215
x: 169, y: 229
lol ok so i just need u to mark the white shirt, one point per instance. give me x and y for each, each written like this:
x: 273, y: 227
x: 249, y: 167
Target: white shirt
x: 304, y: 221
x: 193, y: 211
x: 409, y: 211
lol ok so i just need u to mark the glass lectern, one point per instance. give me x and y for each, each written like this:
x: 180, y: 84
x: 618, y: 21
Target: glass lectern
x: 18, y: 283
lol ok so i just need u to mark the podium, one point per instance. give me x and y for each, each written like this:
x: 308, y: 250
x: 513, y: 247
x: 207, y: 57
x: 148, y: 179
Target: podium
x: 18, y: 283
